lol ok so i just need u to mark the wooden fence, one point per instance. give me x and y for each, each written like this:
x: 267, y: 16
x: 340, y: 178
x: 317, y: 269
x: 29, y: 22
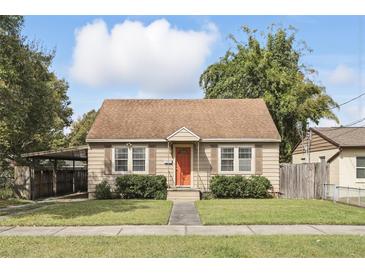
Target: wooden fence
x: 303, y: 181
x: 43, y: 182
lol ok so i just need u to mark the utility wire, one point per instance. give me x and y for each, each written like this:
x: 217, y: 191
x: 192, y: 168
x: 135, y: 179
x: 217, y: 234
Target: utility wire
x: 356, y: 122
x: 349, y: 101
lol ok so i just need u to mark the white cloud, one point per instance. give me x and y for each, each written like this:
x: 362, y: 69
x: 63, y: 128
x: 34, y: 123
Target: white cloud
x: 159, y: 59
x: 342, y: 74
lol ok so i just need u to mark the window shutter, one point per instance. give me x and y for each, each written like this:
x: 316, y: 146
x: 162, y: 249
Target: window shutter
x: 258, y: 159
x: 108, y: 159
x: 152, y: 160
x: 214, y: 159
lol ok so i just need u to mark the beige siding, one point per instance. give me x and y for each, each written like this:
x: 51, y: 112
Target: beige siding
x: 347, y: 167
x: 201, y: 178
x: 335, y: 171
x: 270, y: 164
x: 317, y: 144
x: 314, y: 157
x: 162, y: 168
x: 96, y: 164
x: 183, y: 135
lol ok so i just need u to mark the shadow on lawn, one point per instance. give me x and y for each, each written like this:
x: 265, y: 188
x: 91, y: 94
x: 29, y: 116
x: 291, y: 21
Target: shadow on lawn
x: 93, y: 207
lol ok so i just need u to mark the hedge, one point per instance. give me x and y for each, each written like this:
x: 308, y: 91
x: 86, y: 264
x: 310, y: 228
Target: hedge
x: 240, y: 187
x: 142, y: 186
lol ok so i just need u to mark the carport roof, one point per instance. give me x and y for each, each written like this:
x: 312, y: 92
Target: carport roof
x: 73, y: 153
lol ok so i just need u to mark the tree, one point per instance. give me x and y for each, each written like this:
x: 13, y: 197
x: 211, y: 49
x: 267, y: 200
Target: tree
x: 271, y: 70
x: 80, y: 128
x: 34, y: 107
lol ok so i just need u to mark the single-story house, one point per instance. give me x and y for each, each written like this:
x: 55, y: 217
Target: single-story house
x: 342, y: 147
x: 188, y: 141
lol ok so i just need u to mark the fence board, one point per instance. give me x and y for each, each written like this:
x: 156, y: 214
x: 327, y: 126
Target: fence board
x: 303, y: 181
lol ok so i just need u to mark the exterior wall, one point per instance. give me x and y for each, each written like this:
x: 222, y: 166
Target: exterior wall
x: 165, y: 164
x: 270, y: 164
x: 317, y: 143
x: 347, y: 167
x: 314, y: 157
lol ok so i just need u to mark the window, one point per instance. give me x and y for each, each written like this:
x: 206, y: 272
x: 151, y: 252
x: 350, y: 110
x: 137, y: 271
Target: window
x: 130, y: 159
x: 236, y: 159
x: 139, y: 159
x: 360, y: 167
x: 121, y: 159
x: 244, y: 158
x: 227, y: 159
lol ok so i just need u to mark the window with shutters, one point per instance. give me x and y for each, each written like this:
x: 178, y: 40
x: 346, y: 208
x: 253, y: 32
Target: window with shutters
x: 236, y: 159
x: 130, y: 159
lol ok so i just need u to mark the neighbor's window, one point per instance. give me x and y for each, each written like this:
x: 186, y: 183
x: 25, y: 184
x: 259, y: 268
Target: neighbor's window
x: 360, y: 167
x: 121, y: 159
x: 227, y: 158
x: 139, y: 159
x: 244, y: 158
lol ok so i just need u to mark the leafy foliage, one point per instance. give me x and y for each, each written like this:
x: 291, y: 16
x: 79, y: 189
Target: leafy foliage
x: 80, y: 128
x: 271, y: 70
x: 103, y: 191
x: 142, y: 186
x: 34, y: 107
x: 240, y: 186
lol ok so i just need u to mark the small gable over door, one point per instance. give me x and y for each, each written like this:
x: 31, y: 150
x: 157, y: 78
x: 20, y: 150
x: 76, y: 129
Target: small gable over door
x: 183, y: 134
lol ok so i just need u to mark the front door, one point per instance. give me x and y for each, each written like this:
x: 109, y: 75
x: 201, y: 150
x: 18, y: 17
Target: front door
x: 183, y: 166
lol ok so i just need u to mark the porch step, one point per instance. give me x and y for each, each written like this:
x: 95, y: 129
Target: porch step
x: 183, y: 194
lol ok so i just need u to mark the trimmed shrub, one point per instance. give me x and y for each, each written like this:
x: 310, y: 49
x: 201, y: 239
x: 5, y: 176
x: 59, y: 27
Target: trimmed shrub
x: 240, y: 187
x: 142, y: 186
x: 103, y: 191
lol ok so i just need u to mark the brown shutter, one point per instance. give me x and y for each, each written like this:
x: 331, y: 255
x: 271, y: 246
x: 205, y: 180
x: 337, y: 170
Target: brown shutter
x: 108, y: 159
x: 152, y: 160
x: 258, y: 160
x: 214, y: 159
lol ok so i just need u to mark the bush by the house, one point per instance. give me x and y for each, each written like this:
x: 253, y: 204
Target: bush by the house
x: 142, y: 186
x: 103, y: 191
x: 240, y: 187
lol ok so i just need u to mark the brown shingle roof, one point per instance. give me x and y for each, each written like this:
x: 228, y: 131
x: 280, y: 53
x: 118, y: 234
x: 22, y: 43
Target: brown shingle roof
x: 343, y: 136
x: 208, y: 118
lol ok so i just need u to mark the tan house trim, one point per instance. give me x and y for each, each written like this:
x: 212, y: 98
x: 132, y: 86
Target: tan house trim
x: 207, y: 140
x: 183, y: 134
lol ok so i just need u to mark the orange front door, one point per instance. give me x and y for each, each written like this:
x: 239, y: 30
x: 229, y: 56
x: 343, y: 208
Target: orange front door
x: 183, y: 166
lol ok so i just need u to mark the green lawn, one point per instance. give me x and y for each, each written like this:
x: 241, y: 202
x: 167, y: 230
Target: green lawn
x: 278, y: 211
x: 184, y: 246
x: 95, y: 212
x: 12, y: 202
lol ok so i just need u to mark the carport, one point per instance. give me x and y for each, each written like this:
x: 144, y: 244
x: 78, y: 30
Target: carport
x: 53, y: 173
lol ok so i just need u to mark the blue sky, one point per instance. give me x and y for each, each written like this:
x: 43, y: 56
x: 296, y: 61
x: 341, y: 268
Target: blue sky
x: 163, y: 56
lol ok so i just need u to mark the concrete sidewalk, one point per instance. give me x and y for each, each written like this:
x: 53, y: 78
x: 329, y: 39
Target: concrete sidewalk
x: 182, y: 230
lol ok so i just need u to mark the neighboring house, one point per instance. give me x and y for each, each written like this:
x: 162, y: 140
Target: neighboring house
x: 231, y: 136
x: 342, y: 147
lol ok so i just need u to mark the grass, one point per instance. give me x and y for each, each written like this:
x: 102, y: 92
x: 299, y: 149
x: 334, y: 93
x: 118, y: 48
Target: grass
x: 95, y: 212
x: 12, y: 202
x: 278, y: 211
x: 183, y: 246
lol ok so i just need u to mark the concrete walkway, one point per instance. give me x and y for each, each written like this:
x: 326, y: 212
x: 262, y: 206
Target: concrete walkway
x: 184, y: 213
x: 182, y: 230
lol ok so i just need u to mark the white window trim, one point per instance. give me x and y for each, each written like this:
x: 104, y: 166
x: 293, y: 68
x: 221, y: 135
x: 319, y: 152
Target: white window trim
x: 358, y: 180
x: 236, y: 170
x: 130, y: 159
